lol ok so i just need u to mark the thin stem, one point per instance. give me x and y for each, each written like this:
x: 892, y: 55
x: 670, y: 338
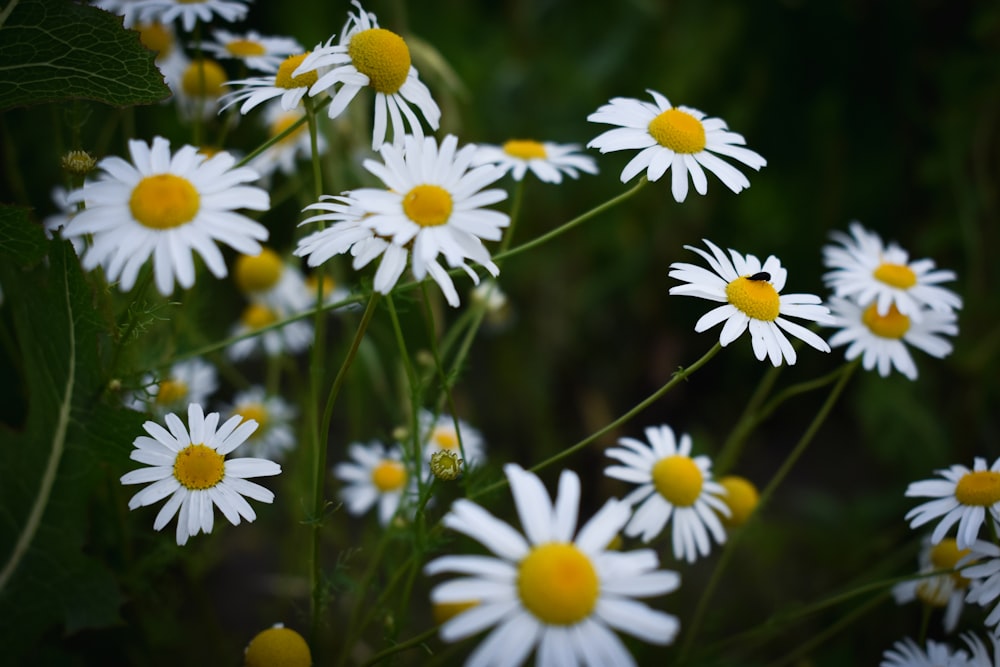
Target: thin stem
x: 515, y: 210
x: 731, y: 448
x: 401, y: 646
x: 845, y: 373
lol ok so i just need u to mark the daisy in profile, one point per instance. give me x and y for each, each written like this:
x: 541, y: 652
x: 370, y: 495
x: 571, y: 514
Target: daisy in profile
x: 681, y: 139
x: 555, y: 590
x: 870, y: 272
x: 751, y: 294
x: 433, y: 207
x: 375, y: 476
x: 189, y: 13
x: 189, y: 465
x: 164, y: 206
x: 672, y: 485
x: 881, y: 340
x: 284, y: 155
x: 546, y: 160
x: 268, y: 279
x: 186, y: 382
x: 274, y: 436
x: 945, y: 591
x: 289, y: 88
x: 439, y: 434
x: 368, y: 56
x: 254, y: 50
x: 290, y: 338
x: 983, y: 568
x: 964, y: 497
x: 907, y: 653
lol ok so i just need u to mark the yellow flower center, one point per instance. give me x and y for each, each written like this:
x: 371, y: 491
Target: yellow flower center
x: 755, y: 298
x: 329, y: 284
x: 896, y: 275
x: 244, y: 48
x: 389, y: 475
x: 163, y: 201
x: 199, y: 467
x: 284, y: 78
x: 256, y: 412
x: 558, y: 584
x: 678, y: 479
x: 741, y: 498
x: 679, y: 131
x: 945, y: 556
x: 443, y: 611
x: 382, y: 56
x: 445, y: 438
x: 171, y: 391
x: 257, y: 316
x: 526, y: 149
x: 259, y: 272
x: 204, y: 78
x: 282, y: 122
x: 427, y: 205
x: 277, y: 647
x: 891, y: 325
x: 979, y: 487
x: 156, y: 37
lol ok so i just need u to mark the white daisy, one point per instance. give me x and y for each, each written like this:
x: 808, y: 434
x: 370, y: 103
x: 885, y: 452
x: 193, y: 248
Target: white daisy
x: 189, y: 466
x: 880, y: 340
x: 267, y: 278
x: 672, y: 485
x: 981, y: 655
x: 681, y: 139
x: 433, y: 206
x: 941, y: 590
x: 282, y: 84
x: 191, y: 381
x: 907, y: 653
x: 750, y: 291
x: 548, y: 161
x: 164, y: 206
x: 255, y: 50
x: 376, y: 476
x: 201, y: 86
x: 57, y: 221
x: 983, y: 568
x: 170, y: 59
x: 439, y: 434
x: 284, y: 154
x: 870, y: 272
x: 546, y: 588
x: 368, y: 56
x: 291, y: 338
x: 964, y: 497
x: 191, y: 11
x: 274, y: 436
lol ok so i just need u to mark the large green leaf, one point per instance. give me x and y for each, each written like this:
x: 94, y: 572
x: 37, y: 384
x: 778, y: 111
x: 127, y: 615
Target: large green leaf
x: 56, y: 50
x: 53, y: 466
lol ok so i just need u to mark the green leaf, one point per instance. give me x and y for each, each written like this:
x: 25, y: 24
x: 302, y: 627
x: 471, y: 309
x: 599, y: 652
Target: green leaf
x: 70, y: 447
x: 56, y: 50
x: 21, y: 241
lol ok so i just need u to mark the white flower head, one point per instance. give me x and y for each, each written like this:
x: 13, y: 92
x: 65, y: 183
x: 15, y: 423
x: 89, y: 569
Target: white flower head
x: 170, y: 58
x: 907, y: 653
x: 274, y: 436
x: 268, y: 279
x: 555, y: 587
x: 681, y: 139
x: 964, y: 497
x: 439, y: 434
x: 882, y: 340
x: 290, y: 338
x: 189, y: 465
x: 283, y: 84
x: 201, y: 86
x: 750, y: 291
x: 368, y: 56
x: 870, y: 272
x: 375, y: 476
x: 186, y: 382
x: 546, y: 160
x: 940, y: 590
x: 165, y: 206
x: 189, y: 13
x: 255, y: 50
x: 982, y: 566
x: 672, y: 487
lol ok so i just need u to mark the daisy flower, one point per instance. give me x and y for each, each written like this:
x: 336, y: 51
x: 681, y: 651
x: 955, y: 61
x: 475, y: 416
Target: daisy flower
x: 368, y: 56
x: 433, y: 206
x: 880, y: 340
x: 671, y: 485
x: 191, y: 381
x: 907, y: 653
x: 191, y: 11
x: 376, y: 476
x: 750, y: 291
x: 964, y: 497
x: 274, y: 436
x: 548, y: 161
x: 284, y: 154
x: 547, y: 589
x: 201, y: 86
x: 741, y: 498
x: 253, y: 49
x: 57, y: 221
x: 870, y: 272
x: 981, y: 655
x: 166, y: 206
x: 267, y: 278
x: 171, y: 60
x: 189, y: 465
x: 283, y: 84
x: 983, y: 568
x: 292, y: 337
x: 439, y: 434
x: 942, y: 590
x: 681, y: 139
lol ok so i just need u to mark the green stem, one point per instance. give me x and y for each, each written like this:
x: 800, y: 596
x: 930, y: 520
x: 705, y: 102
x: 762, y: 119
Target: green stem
x: 845, y: 373
x: 400, y: 647
x: 515, y: 210
x: 731, y: 448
